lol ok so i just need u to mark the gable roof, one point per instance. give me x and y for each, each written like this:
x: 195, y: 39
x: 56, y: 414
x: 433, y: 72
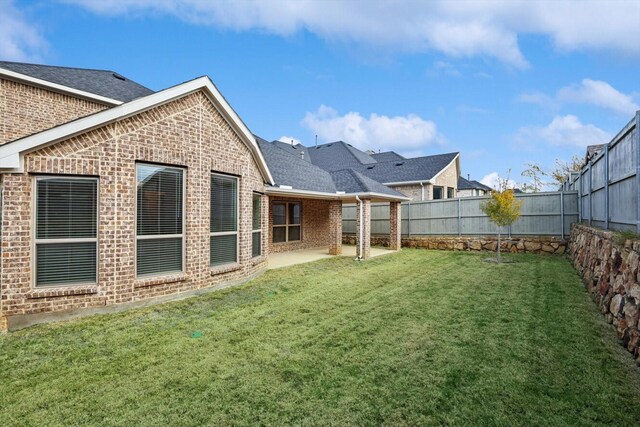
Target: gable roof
x: 338, y: 156
x: 409, y: 170
x: 296, y: 175
x: 100, y: 85
x: 387, y: 156
x: 12, y: 152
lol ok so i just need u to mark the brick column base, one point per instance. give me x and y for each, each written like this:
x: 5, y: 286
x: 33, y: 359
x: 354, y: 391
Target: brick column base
x: 4, y: 325
x: 366, y: 229
x: 395, y: 226
x: 335, y: 227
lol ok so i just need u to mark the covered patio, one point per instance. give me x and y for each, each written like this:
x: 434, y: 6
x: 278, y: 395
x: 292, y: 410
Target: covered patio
x: 286, y: 259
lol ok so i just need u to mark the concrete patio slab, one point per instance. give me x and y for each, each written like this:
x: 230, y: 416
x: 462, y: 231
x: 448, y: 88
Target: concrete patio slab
x: 285, y: 259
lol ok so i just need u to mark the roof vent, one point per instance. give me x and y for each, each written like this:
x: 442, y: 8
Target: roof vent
x: 118, y: 76
x: 329, y: 145
x: 399, y: 163
x: 371, y: 167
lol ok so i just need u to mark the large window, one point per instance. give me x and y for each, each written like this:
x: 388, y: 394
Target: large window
x: 287, y: 224
x: 66, y: 242
x: 159, y: 224
x: 224, y: 220
x: 256, y: 234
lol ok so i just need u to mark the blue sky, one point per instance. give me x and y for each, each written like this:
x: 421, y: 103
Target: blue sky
x: 504, y: 83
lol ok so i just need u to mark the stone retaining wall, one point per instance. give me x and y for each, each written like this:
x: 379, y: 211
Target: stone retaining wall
x: 610, y: 274
x: 547, y: 245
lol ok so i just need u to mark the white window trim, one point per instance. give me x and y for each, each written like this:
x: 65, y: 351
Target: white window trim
x: 287, y: 224
x: 259, y: 229
x: 226, y: 233
x: 35, y: 241
x: 160, y: 236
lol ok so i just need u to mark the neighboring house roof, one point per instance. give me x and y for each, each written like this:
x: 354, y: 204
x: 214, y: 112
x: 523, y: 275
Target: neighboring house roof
x: 338, y: 156
x: 387, y: 156
x: 593, y: 150
x: 107, y: 85
x: 297, y: 175
x: 465, y: 184
x: 297, y: 149
x: 12, y: 153
x: 408, y: 170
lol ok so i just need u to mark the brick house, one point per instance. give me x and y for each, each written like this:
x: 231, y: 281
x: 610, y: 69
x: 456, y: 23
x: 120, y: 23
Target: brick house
x: 113, y: 195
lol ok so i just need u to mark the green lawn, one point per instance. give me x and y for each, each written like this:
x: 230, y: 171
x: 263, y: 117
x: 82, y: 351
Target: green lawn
x: 415, y: 338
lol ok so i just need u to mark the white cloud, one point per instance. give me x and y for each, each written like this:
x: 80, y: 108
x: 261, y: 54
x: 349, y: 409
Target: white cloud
x: 19, y: 40
x: 486, y: 28
x: 565, y: 131
x: 407, y: 135
x: 541, y: 99
x: 600, y: 93
x: 288, y: 140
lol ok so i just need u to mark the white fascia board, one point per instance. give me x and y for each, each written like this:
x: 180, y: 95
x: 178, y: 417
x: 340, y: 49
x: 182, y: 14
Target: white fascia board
x: 455, y: 159
x: 331, y: 196
x: 55, y: 87
x: 8, y: 151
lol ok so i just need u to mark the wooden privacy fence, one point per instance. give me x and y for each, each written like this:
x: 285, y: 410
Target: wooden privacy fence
x: 609, y: 184
x: 543, y: 214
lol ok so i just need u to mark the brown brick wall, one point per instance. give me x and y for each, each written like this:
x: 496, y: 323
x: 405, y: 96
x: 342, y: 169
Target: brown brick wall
x: 188, y: 132
x: 26, y: 110
x: 315, y: 225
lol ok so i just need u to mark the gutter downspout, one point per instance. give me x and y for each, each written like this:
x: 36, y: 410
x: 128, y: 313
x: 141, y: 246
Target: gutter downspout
x: 359, y: 257
x: 421, y: 191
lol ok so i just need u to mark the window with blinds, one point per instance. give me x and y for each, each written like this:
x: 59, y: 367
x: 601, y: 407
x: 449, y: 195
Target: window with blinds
x: 256, y: 234
x: 224, y: 220
x: 287, y: 222
x: 66, y: 244
x: 159, y: 220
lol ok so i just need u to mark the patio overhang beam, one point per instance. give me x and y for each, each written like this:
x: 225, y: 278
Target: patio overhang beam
x: 345, y: 197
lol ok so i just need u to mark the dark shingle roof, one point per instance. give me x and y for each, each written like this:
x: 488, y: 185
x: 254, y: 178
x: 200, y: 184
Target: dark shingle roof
x: 416, y: 169
x: 387, y: 156
x: 298, y: 150
x: 288, y: 168
x: 350, y: 181
x: 338, y: 156
x: 465, y: 184
x: 99, y: 82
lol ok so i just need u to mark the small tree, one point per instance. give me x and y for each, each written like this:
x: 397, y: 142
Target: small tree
x: 562, y: 169
x: 536, y: 173
x: 502, y: 209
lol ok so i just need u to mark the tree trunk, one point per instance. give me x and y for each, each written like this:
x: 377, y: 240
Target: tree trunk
x: 499, y: 259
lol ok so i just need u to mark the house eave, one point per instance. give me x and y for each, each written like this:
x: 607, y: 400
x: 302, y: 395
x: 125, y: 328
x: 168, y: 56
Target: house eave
x: 286, y: 192
x: 55, y: 87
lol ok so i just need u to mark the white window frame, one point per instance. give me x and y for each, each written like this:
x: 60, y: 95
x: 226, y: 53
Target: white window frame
x: 36, y: 241
x: 287, y: 224
x: 226, y: 233
x: 161, y: 236
x: 256, y: 230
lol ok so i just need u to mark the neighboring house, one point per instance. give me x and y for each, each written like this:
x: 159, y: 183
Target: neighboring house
x: 419, y: 178
x: 470, y: 188
x: 113, y: 194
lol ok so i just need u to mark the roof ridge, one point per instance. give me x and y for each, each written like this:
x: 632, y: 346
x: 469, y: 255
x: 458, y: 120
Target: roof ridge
x: 61, y: 66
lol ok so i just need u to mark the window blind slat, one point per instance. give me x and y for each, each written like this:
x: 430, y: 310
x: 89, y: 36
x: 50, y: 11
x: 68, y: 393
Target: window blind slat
x: 65, y: 263
x: 224, y: 249
x: 155, y: 256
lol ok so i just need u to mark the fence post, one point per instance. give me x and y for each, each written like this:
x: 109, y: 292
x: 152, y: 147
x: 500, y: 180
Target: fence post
x: 590, y: 194
x: 459, y: 219
x: 580, y: 196
x: 562, y: 214
x: 409, y: 219
x: 638, y: 171
x: 606, y: 186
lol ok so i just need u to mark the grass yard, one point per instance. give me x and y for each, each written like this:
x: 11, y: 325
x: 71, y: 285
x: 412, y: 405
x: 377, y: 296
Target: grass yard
x: 415, y: 338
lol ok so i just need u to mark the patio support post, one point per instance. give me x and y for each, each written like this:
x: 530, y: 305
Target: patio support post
x: 335, y: 227
x: 395, y: 226
x: 365, y: 205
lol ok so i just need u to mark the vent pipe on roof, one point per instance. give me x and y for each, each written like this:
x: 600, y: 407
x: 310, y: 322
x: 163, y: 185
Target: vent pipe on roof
x: 316, y: 141
x: 468, y: 177
x: 302, y: 155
